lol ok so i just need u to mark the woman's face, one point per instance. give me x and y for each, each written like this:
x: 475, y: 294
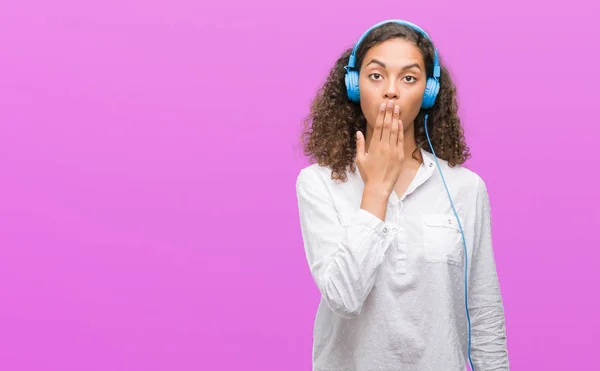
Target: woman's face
x: 393, y: 70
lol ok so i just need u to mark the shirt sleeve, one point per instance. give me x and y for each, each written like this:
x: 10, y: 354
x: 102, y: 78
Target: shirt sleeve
x: 343, y: 257
x: 488, y: 348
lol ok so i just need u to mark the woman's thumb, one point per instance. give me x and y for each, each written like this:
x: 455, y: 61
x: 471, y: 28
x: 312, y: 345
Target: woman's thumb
x: 360, y: 145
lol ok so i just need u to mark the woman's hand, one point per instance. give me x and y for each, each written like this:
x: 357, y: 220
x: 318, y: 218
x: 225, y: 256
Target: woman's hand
x: 382, y: 165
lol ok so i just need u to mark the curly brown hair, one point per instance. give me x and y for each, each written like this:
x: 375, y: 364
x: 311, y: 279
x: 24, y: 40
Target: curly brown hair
x: 329, y: 131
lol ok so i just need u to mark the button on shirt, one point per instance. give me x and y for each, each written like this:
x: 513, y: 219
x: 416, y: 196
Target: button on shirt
x: 392, y: 292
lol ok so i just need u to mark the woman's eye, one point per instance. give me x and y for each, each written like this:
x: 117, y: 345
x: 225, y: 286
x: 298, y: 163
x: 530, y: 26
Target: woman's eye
x: 411, y: 77
x: 375, y: 74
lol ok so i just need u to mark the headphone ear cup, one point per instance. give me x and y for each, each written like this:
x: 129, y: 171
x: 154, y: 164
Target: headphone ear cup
x: 352, y: 85
x: 431, y: 91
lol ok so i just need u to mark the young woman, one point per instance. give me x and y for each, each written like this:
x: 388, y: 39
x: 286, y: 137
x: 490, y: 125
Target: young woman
x: 397, y: 232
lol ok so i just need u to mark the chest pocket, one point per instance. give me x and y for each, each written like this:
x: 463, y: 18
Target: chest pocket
x: 442, y: 240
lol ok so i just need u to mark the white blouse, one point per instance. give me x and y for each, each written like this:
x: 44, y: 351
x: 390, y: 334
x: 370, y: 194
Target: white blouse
x: 392, y: 293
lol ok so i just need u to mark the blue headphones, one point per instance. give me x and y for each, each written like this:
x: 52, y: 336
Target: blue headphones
x: 433, y: 84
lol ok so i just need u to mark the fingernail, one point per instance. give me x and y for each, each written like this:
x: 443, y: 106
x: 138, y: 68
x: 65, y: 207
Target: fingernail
x: 396, y: 109
x: 382, y: 107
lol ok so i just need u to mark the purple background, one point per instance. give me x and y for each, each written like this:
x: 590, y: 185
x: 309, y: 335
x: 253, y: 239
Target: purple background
x: 148, y: 158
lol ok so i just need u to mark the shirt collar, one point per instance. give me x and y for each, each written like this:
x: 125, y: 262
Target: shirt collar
x: 428, y: 160
x: 428, y: 165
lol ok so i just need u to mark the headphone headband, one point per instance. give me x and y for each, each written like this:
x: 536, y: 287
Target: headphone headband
x: 436, y: 66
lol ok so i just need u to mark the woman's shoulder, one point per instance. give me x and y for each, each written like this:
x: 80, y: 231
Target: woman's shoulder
x: 313, y: 170
x: 463, y: 176
x: 321, y: 176
x: 311, y: 174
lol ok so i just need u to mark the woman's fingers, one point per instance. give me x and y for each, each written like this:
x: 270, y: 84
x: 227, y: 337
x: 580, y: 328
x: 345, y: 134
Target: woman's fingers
x: 360, y: 146
x: 378, y: 124
x: 394, y: 128
x: 387, y: 125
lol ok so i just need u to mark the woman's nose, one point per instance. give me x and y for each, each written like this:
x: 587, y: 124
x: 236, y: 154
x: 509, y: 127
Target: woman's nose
x: 391, y: 92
